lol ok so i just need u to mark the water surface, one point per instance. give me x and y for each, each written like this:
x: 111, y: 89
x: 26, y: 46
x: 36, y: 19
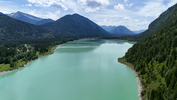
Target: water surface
x: 78, y: 70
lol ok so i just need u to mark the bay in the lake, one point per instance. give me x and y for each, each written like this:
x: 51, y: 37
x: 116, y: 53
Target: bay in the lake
x: 78, y: 70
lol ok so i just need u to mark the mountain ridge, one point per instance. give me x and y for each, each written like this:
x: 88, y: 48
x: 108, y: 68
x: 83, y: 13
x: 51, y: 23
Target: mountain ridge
x: 118, y: 30
x: 107, y: 28
x: 76, y: 24
x: 29, y: 18
x: 121, y: 31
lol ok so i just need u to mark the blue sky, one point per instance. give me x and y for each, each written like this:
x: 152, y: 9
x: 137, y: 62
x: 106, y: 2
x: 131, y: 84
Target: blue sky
x: 134, y: 14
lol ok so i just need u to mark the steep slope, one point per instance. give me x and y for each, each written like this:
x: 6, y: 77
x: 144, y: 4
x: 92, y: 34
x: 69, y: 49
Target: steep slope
x: 155, y: 60
x: 11, y: 29
x: 29, y: 18
x: 121, y: 31
x: 164, y: 20
x: 76, y: 26
x: 108, y: 28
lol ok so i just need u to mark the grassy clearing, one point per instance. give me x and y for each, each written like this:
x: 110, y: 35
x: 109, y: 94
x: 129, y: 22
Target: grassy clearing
x: 20, y: 63
x: 5, y: 67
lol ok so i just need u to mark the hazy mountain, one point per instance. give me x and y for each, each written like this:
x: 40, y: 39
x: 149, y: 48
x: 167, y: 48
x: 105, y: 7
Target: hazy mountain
x: 29, y: 18
x: 76, y: 26
x: 121, y: 31
x: 155, y: 58
x: 44, y: 21
x: 118, y: 30
x: 140, y: 31
x: 108, y: 28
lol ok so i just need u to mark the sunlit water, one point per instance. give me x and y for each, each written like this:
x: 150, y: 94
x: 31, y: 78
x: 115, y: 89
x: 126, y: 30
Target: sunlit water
x: 78, y: 70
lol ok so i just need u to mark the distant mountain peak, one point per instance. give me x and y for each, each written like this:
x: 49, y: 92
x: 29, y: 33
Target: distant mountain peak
x: 76, y: 26
x: 121, y: 31
x: 76, y: 14
x: 19, y: 12
x: 29, y: 18
x: 120, y: 26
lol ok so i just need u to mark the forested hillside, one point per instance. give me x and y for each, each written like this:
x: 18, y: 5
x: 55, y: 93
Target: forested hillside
x: 11, y: 29
x: 75, y: 26
x: 155, y: 60
x: 16, y: 53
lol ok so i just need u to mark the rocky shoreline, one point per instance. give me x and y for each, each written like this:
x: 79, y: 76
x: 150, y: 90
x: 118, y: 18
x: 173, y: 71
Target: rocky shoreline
x: 140, y: 87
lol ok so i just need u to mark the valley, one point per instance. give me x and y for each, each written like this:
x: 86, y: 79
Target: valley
x: 82, y: 50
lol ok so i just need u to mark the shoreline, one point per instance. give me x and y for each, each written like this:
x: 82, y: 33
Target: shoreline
x: 53, y: 51
x: 140, y: 87
x: 3, y: 72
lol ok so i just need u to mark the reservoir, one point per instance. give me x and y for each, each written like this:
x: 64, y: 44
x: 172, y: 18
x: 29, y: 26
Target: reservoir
x: 78, y: 70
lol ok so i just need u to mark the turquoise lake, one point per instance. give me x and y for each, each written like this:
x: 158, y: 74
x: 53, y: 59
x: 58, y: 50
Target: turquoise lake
x: 78, y: 70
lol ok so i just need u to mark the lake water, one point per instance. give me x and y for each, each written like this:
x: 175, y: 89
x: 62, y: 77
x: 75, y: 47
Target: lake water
x: 78, y: 70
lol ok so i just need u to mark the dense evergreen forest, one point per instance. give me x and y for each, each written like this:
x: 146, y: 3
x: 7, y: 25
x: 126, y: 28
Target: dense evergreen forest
x: 155, y: 60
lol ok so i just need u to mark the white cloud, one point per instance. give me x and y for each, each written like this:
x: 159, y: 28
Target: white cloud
x: 32, y: 12
x: 29, y: 5
x: 143, y: 23
x: 58, y: 4
x: 119, y: 7
x: 57, y: 12
x: 75, y: 11
x: 130, y: 5
x: 171, y: 3
x: 152, y: 9
x: 93, y: 5
x: 136, y: 20
x: 127, y: 18
x: 92, y: 10
x: 52, y: 15
x: 125, y: 1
